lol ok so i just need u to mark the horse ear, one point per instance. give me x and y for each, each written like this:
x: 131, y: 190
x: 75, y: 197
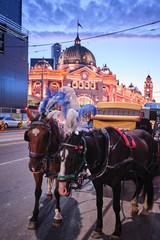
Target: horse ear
x: 29, y: 114
x: 47, y: 119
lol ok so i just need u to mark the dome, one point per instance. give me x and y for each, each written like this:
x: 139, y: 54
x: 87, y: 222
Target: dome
x: 77, y: 55
x: 42, y: 64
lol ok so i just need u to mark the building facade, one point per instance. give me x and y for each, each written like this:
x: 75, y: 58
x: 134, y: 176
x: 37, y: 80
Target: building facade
x: 13, y: 59
x: 34, y: 61
x: 77, y: 68
x: 12, y: 9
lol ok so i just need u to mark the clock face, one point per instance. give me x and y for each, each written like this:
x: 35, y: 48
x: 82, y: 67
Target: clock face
x: 147, y: 89
x: 84, y: 75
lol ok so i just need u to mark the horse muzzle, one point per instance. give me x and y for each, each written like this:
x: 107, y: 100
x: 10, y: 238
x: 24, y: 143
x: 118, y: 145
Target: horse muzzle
x: 63, y: 189
x: 35, y: 168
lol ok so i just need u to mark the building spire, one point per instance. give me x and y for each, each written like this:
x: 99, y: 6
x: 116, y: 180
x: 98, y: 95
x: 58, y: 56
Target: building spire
x: 77, y: 40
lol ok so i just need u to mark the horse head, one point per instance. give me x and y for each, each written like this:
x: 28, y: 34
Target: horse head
x: 72, y: 156
x: 39, y: 137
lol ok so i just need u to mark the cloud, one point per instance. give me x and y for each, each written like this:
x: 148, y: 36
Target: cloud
x: 58, y: 19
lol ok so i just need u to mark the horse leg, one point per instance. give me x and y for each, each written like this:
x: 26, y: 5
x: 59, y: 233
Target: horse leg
x: 134, y: 204
x: 49, y: 184
x: 97, y: 232
x: 116, y: 207
x: 38, y: 180
x: 144, y: 211
x: 148, y: 196
x: 57, y: 221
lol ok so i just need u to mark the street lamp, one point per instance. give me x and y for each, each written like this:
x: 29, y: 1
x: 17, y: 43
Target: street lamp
x: 42, y: 85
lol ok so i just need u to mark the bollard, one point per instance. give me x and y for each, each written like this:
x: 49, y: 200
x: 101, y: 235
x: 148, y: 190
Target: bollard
x: 21, y: 125
x: 2, y: 126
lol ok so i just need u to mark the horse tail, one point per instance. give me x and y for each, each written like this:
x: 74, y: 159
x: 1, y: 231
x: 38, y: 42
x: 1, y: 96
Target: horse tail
x: 148, y: 190
x: 154, y: 166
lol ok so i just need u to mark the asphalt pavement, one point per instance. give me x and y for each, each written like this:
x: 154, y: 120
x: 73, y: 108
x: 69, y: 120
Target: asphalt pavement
x: 78, y: 211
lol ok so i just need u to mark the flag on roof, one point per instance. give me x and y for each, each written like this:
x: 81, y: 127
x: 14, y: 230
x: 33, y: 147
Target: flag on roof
x: 79, y: 24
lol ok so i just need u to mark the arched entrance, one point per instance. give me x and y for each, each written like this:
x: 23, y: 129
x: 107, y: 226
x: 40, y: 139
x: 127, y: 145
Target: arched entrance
x: 83, y: 100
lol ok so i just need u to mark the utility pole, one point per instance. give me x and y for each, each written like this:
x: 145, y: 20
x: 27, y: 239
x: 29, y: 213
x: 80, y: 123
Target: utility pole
x: 42, y: 86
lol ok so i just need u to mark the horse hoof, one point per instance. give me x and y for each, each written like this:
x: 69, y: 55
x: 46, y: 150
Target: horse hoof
x: 144, y: 213
x: 134, y: 213
x: 49, y: 196
x: 32, y: 225
x: 96, y: 235
x: 57, y: 222
x: 113, y: 237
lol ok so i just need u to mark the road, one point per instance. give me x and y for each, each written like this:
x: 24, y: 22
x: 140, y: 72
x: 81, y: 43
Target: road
x: 78, y: 210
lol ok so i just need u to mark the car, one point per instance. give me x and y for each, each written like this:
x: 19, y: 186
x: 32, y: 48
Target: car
x: 9, y: 122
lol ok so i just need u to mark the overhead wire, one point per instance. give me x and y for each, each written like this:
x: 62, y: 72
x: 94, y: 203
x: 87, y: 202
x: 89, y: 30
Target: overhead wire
x: 102, y: 35
x: 97, y: 36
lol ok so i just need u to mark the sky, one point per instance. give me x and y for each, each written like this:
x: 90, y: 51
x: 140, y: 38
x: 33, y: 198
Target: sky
x: 131, y: 54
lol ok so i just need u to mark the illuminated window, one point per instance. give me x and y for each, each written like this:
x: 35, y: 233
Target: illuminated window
x: 37, y: 86
x: 75, y: 84
x: 86, y: 85
x: 93, y: 85
x: 81, y: 85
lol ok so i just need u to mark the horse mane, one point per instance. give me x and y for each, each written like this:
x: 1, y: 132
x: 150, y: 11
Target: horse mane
x: 56, y: 134
x: 96, y: 131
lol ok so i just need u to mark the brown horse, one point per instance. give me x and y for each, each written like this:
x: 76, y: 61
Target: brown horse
x: 111, y: 158
x: 44, y: 137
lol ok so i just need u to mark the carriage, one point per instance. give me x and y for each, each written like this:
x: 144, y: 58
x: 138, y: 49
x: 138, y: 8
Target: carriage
x: 117, y: 114
x: 127, y: 116
x: 103, y: 152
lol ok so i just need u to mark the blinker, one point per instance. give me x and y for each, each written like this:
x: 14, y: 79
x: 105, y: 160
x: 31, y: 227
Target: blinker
x: 26, y: 138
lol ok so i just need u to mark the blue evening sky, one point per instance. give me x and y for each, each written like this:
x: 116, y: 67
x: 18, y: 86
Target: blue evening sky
x: 131, y: 55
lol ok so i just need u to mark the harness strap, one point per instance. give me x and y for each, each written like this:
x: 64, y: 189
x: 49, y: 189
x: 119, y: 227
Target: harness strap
x: 68, y: 145
x: 107, y: 152
x: 36, y: 155
x: 63, y: 178
x: 127, y: 138
x: 41, y: 122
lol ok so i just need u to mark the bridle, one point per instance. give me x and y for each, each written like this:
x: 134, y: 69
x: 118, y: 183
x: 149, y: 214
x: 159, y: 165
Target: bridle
x: 40, y: 156
x: 81, y: 151
x: 42, y: 123
x: 84, y: 164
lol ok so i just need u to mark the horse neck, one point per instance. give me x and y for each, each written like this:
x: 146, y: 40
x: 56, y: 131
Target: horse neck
x: 54, y: 138
x: 95, y: 155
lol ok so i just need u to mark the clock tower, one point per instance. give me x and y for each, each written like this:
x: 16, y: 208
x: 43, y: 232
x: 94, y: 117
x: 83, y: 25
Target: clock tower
x: 148, y: 88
